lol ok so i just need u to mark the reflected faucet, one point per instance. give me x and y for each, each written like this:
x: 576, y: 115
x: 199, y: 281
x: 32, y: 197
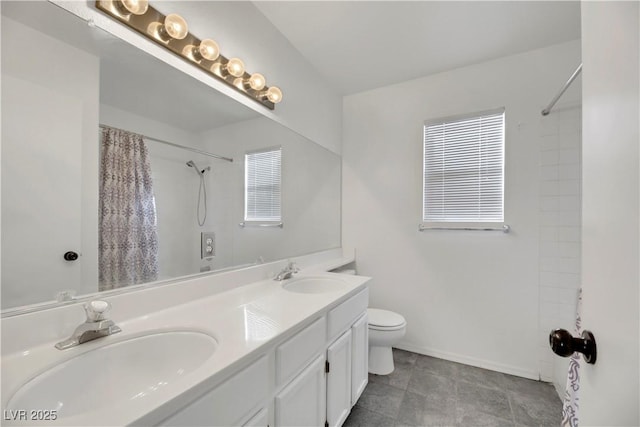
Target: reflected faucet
x: 96, y: 326
x: 287, y: 272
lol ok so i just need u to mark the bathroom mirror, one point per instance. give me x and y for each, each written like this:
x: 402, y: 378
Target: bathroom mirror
x: 61, y: 80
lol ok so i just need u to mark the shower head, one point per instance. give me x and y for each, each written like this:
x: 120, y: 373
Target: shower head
x: 199, y: 171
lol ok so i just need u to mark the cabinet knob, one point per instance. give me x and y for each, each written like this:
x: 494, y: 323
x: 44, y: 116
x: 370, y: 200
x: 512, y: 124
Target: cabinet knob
x: 564, y: 344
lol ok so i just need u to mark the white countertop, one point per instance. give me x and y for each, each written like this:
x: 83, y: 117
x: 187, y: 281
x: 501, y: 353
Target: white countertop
x: 244, y: 321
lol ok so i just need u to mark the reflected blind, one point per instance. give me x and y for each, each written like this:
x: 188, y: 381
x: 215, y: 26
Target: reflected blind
x: 464, y: 169
x: 263, y: 185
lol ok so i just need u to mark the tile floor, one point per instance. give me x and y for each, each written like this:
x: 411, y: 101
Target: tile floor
x: 425, y: 391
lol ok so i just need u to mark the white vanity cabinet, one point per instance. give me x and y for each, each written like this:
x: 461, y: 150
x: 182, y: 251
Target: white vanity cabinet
x: 339, y: 364
x: 261, y: 419
x: 359, y: 357
x: 302, y: 401
x: 230, y: 403
x: 312, y: 377
x: 331, y: 384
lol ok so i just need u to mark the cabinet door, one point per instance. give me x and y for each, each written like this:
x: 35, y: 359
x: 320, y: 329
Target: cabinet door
x: 339, y: 380
x: 230, y: 402
x: 360, y: 358
x: 261, y: 419
x: 302, y: 401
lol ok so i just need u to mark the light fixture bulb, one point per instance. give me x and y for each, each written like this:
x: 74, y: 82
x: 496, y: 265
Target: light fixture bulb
x: 136, y: 7
x: 235, y: 67
x: 257, y: 81
x: 209, y: 49
x: 274, y: 94
x: 175, y: 26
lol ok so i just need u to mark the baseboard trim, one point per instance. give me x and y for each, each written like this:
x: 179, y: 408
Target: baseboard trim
x: 480, y: 363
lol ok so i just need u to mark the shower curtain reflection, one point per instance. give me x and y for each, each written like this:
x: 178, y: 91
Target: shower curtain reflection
x: 128, y: 238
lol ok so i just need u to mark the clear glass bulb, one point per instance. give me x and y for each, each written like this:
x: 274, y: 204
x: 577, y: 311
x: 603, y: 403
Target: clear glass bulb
x: 176, y: 26
x: 274, y: 94
x: 209, y: 49
x: 257, y: 81
x: 137, y: 7
x: 235, y: 67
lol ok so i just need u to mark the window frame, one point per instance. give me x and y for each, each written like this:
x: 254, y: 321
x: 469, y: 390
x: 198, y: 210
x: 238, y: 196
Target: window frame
x: 456, y: 224
x: 254, y: 221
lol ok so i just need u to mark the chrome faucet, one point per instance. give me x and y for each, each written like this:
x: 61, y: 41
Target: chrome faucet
x: 96, y: 325
x: 287, y: 272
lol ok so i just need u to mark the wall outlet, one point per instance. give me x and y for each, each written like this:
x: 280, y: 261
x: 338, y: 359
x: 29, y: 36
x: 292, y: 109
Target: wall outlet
x: 207, y: 245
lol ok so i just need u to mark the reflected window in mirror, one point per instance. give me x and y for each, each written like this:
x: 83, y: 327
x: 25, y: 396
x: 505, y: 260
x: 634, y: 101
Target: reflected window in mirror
x: 262, y: 189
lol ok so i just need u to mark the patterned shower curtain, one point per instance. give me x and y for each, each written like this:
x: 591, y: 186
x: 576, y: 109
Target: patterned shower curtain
x: 571, y: 402
x: 128, y: 238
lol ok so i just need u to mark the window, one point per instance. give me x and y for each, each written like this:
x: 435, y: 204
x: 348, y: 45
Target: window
x: 464, y: 169
x: 262, y: 185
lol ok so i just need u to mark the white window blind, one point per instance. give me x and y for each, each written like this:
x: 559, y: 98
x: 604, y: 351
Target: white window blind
x: 464, y: 169
x: 263, y: 185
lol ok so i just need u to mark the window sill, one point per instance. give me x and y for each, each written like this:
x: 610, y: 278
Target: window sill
x: 460, y: 226
x: 261, y: 224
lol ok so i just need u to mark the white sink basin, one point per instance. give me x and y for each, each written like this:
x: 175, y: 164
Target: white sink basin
x: 123, y: 371
x: 314, y: 285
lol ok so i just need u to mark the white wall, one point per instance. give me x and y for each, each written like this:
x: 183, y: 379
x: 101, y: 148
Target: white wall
x: 610, y: 390
x: 466, y: 296
x: 560, y: 232
x: 48, y: 172
x: 310, y: 192
x: 310, y: 106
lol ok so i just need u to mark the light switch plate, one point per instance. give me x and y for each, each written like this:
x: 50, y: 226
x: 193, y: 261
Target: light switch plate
x: 207, y: 245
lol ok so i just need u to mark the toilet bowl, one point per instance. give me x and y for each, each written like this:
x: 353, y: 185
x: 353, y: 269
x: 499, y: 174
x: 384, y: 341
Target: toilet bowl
x: 386, y: 328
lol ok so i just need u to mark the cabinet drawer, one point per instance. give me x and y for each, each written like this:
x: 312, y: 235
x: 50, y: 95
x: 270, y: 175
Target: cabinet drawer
x: 229, y: 402
x: 296, y: 353
x: 342, y: 317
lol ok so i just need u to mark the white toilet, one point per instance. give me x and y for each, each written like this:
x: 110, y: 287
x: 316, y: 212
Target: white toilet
x: 385, y: 329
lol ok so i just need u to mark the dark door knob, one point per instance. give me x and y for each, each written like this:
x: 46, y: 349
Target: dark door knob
x: 564, y: 344
x: 70, y: 256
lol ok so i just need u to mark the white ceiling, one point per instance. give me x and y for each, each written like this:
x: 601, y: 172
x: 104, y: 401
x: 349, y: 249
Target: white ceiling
x: 361, y: 45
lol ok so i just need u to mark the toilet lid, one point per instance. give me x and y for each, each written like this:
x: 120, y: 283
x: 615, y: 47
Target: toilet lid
x: 384, y: 318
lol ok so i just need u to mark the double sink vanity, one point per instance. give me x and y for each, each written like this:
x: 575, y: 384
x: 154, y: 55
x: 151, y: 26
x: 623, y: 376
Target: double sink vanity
x: 212, y: 338
x: 279, y: 353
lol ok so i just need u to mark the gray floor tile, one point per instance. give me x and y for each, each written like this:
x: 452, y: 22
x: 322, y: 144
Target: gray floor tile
x: 475, y: 401
x: 426, y: 391
x: 382, y: 398
x: 399, y: 378
x: 418, y: 410
x: 404, y: 357
x: 483, y: 377
x: 480, y: 419
x: 528, y: 387
x: 437, y: 366
x: 536, y: 410
x: 403, y: 364
x: 361, y: 417
x: 433, y: 386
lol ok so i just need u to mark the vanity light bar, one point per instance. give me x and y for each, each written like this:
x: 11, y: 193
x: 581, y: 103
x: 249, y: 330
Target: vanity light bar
x: 171, y: 31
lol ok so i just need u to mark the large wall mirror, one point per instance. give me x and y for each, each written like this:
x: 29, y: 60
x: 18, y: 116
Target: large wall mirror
x: 70, y: 90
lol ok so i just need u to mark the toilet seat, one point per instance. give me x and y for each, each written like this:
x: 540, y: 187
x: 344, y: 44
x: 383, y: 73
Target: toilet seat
x: 385, y: 320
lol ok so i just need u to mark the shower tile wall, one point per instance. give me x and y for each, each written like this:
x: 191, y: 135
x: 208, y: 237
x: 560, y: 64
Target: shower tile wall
x: 560, y: 231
